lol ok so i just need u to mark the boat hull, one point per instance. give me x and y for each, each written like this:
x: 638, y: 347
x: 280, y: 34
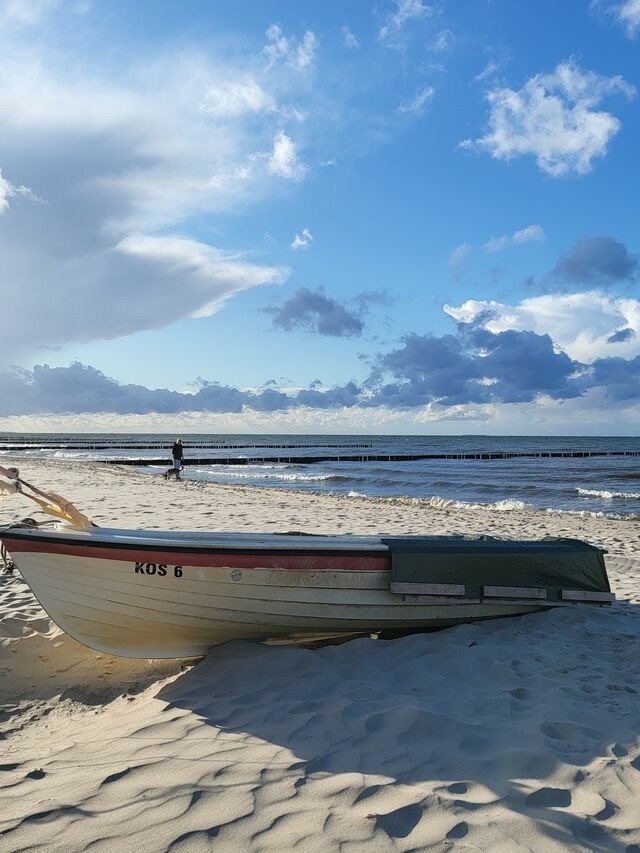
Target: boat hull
x: 155, y: 598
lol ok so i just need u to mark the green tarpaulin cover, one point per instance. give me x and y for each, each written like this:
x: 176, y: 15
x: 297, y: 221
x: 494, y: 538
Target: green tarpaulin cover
x: 552, y: 564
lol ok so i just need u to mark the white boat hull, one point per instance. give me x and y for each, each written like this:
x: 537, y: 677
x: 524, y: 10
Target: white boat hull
x: 124, y: 599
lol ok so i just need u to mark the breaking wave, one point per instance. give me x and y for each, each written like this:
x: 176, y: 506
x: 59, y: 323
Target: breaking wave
x: 607, y: 495
x: 438, y: 502
x: 273, y: 475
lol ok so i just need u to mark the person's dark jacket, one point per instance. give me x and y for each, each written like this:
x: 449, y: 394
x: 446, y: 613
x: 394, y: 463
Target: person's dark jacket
x: 177, y: 451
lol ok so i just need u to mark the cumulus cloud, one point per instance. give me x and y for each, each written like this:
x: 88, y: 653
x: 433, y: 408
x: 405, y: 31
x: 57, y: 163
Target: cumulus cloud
x: 548, y: 349
x: 620, y: 378
x: 83, y: 389
x: 597, y: 261
x: 8, y: 192
x: 475, y: 366
x: 621, y: 336
x: 403, y: 11
x: 313, y: 311
x: 530, y: 234
x: 583, y: 325
x: 284, y: 161
x: 553, y: 118
x: 302, y: 240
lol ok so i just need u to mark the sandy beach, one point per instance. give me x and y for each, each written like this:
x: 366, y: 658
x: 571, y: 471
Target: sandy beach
x: 514, y: 734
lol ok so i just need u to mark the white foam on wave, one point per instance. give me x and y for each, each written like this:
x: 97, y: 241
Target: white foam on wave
x: 585, y: 513
x: 505, y: 505
x: 438, y: 502
x: 264, y: 475
x: 607, y: 495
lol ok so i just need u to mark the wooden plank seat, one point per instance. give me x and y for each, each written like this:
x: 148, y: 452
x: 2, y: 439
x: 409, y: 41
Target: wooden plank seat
x: 577, y: 595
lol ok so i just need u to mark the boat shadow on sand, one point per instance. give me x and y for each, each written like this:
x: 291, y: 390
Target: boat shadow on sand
x: 533, y: 717
x: 524, y: 712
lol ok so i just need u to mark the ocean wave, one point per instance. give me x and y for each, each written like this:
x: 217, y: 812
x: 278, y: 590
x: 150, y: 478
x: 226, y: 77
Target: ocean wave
x: 284, y: 476
x: 607, y: 495
x: 585, y: 513
x: 438, y: 502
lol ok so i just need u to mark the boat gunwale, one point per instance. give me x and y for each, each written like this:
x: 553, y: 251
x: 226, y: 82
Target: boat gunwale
x: 74, y: 542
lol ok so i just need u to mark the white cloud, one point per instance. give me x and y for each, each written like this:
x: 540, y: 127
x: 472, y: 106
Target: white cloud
x: 26, y: 13
x: 530, y: 234
x: 297, y: 54
x: 544, y: 417
x: 306, y: 51
x: 349, y: 39
x: 497, y: 244
x: 234, y: 98
x: 6, y: 192
x: 553, y: 118
x: 405, y: 10
x: 9, y: 191
x: 488, y: 71
x: 116, y: 166
x: 283, y: 160
x: 303, y: 240
x: 458, y: 258
x: 420, y: 101
x: 277, y: 46
x: 207, y: 276
x: 442, y: 42
x: 581, y: 324
x: 628, y: 14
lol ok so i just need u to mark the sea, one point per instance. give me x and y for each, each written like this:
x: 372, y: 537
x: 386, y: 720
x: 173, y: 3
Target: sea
x: 569, y: 474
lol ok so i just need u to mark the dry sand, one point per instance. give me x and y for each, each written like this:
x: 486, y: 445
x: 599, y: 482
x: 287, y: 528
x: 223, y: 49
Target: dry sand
x: 515, y: 734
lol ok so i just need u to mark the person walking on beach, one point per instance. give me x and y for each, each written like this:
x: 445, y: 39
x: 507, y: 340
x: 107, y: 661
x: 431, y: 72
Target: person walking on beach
x: 177, y: 451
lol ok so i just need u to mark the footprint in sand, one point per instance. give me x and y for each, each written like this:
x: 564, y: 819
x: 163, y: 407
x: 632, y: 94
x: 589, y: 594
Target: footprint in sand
x: 568, y: 735
x: 522, y: 694
x: 36, y: 774
x: 400, y: 822
x: 608, y: 811
x: 549, y: 798
x: 459, y: 830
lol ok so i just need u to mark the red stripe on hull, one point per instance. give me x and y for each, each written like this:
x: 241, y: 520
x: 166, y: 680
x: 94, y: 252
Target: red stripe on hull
x: 221, y: 559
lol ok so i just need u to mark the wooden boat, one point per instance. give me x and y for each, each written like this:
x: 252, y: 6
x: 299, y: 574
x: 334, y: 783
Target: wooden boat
x: 166, y: 594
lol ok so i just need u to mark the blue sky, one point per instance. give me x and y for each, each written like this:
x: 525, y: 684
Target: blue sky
x: 396, y: 216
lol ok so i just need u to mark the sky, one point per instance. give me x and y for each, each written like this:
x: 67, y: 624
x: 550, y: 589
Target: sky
x: 351, y: 216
